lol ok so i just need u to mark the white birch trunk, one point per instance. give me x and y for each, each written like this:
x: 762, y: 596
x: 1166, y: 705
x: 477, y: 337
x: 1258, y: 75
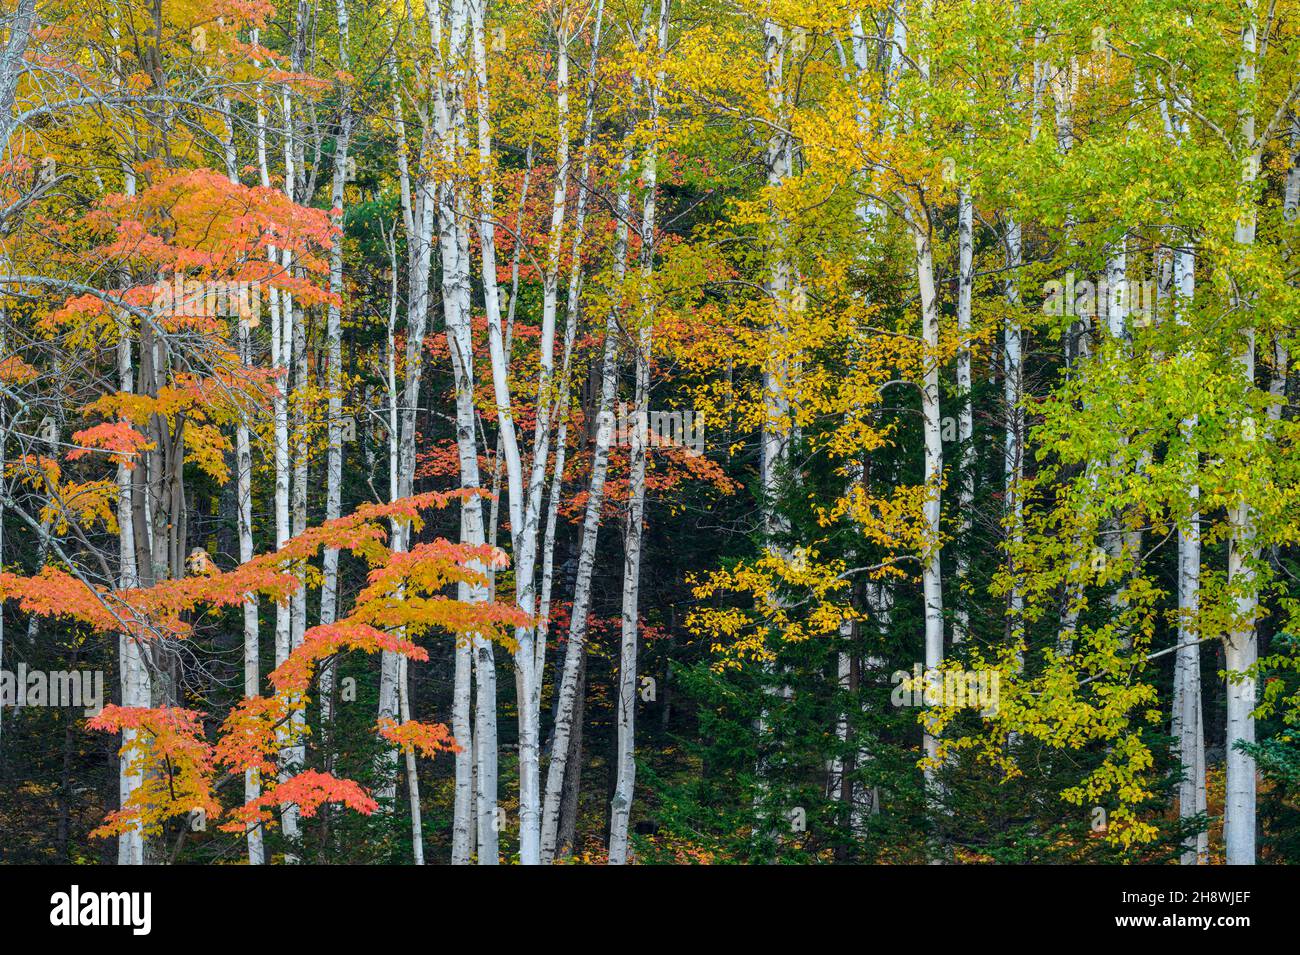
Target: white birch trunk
x: 1014, y: 438
x: 625, y: 781
x: 244, y: 519
x: 529, y: 675
x: 561, y: 415
x: 133, y: 671
x: 136, y: 690
x: 547, y: 834
x: 920, y: 226
x: 329, y: 594
x: 621, y: 805
x: 418, y: 235
x: 282, y: 346
x: 965, y: 416
x: 528, y: 669
x: 932, y: 575
x: 279, y: 409
x: 418, y: 208
x: 1187, y: 721
x: 779, y: 161
x: 576, y: 644
x: 1291, y: 197
x: 412, y: 776
x: 774, y: 450
x: 523, y: 511
x: 1241, y: 647
x: 464, y: 30
x: 837, y: 767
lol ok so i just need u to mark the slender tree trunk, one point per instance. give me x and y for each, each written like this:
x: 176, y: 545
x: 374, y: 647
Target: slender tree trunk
x: 1014, y: 439
x: 1013, y: 448
x: 1241, y: 646
x: 839, y: 785
x: 466, y: 36
x: 412, y: 776
x: 132, y: 668
x: 965, y: 417
x: 525, y: 502
x: 625, y: 781
x: 417, y: 218
x: 329, y: 595
x: 281, y: 354
x: 932, y: 575
x: 561, y: 411
x: 575, y: 650
x: 774, y: 454
x: 570, y: 801
x: 134, y: 674
x: 779, y: 160
x: 573, y: 313
x: 1187, y: 719
x: 418, y: 208
x: 279, y: 360
x: 244, y: 517
x: 627, y: 675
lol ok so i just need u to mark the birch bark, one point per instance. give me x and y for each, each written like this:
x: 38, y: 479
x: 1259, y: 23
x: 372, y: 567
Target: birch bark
x: 625, y: 780
x: 1241, y: 647
x: 132, y: 660
x: 244, y: 516
x: 1187, y: 718
x: 965, y: 415
x: 418, y: 207
x: 329, y: 595
x: 525, y: 501
x: 136, y: 689
x: 921, y: 228
x: 567, y: 701
x: 576, y: 643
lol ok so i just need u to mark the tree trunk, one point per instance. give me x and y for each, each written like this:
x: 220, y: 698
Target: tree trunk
x: 621, y: 808
x: 575, y: 649
x: 1241, y: 647
x: 965, y: 417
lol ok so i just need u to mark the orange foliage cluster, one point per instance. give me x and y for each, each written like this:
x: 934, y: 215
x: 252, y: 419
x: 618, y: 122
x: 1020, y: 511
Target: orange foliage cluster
x: 308, y: 790
x: 169, y: 750
x: 168, y: 746
x: 413, y: 736
x: 295, y: 674
x: 198, y: 221
x: 118, y: 438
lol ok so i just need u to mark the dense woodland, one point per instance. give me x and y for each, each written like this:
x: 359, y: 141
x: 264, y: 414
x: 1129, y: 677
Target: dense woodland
x: 655, y: 431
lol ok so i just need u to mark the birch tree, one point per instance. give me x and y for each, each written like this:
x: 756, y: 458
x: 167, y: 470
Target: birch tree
x: 633, y: 529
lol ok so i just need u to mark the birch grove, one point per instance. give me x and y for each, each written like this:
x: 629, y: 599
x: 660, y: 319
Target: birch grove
x: 649, y: 432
